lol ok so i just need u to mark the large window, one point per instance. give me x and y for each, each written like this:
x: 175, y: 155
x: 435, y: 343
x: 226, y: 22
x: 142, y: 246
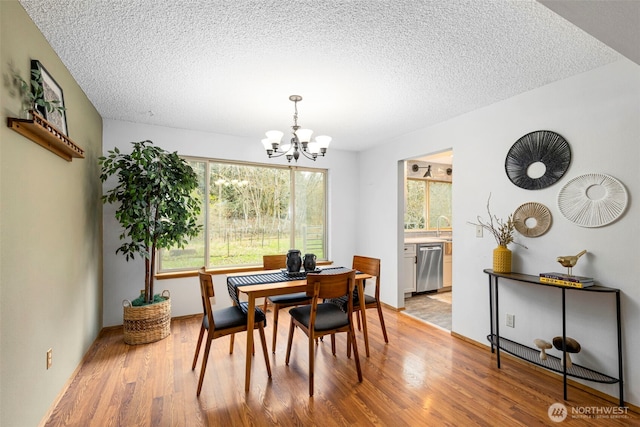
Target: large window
x: 252, y: 210
x: 428, y: 202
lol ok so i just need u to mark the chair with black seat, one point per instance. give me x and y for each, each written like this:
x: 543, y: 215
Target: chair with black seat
x: 223, y: 322
x: 204, y: 325
x: 274, y: 262
x: 369, y: 266
x: 324, y: 318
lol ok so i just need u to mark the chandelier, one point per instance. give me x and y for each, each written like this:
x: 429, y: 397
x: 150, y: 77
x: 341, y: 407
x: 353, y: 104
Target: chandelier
x: 300, y: 142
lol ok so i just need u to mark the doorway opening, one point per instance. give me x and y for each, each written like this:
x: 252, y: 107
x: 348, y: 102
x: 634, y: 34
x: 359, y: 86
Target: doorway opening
x: 428, y: 238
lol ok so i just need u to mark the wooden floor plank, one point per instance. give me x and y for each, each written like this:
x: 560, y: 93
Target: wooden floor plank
x: 424, y: 376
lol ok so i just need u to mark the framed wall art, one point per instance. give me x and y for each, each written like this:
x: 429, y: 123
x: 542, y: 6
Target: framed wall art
x: 537, y: 160
x: 52, y: 92
x: 532, y: 219
x: 593, y: 200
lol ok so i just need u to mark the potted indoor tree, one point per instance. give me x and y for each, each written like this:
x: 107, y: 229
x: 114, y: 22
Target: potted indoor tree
x: 157, y: 210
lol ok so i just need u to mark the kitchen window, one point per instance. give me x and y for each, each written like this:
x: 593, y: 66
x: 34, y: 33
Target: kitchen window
x: 252, y: 210
x: 426, y: 201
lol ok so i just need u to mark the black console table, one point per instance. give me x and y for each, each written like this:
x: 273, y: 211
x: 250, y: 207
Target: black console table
x: 532, y: 355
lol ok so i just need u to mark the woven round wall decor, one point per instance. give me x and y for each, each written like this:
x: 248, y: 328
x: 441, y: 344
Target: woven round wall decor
x: 537, y: 212
x: 542, y: 148
x: 592, y: 200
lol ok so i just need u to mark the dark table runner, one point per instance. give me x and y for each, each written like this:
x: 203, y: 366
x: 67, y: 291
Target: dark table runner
x: 233, y: 282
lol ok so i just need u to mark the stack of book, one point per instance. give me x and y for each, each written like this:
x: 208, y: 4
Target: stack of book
x: 566, y: 280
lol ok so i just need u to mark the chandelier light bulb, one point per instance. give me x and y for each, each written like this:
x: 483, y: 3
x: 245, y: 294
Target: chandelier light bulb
x: 323, y: 142
x: 304, y: 135
x: 275, y: 136
x: 313, y: 147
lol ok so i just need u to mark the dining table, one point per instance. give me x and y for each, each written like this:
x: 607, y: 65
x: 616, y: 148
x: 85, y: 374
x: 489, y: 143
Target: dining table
x: 277, y: 282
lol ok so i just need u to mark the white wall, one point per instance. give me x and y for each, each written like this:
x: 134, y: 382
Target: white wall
x: 123, y: 280
x: 598, y: 113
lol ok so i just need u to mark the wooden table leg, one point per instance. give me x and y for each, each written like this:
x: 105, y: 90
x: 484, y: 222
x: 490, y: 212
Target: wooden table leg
x: 363, y: 315
x: 251, y: 316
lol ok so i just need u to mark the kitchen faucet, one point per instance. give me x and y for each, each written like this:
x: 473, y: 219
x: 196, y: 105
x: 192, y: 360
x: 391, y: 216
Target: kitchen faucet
x: 438, y: 224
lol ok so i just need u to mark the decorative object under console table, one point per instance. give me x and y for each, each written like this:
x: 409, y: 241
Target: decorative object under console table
x: 532, y: 355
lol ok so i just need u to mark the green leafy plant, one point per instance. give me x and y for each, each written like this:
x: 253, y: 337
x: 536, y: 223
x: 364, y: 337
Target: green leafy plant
x: 32, y: 93
x: 502, y: 231
x: 156, y: 208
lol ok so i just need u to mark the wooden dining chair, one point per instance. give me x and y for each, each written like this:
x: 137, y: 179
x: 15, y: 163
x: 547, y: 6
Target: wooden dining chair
x: 204, y: 325
x: 274, y: 262
x: 223, y: 322
x: 324, y: 318
x: 369, y: 266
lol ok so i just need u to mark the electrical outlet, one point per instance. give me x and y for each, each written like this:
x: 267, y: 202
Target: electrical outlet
x: 49, y: 358
x: 478, y: 231
x: 511, y: 320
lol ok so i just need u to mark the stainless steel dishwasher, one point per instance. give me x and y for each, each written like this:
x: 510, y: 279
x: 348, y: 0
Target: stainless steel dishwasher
x: 429, y: 271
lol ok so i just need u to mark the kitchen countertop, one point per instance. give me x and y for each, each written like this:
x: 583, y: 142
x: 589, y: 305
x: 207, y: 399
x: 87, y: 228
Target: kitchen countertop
x: 414, y: 240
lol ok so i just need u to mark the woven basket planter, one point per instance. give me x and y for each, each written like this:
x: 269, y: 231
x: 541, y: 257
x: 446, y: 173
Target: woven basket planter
x: 147, y: 323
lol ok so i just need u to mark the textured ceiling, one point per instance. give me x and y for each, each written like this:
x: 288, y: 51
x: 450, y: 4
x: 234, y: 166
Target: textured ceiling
x: 368, y: 70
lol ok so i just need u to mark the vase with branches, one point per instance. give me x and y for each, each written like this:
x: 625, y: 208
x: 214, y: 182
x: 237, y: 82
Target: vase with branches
x: 503, y: 232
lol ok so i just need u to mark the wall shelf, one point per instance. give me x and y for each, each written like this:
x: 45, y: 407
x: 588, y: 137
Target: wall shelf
x: 532, y: 355
x: 45, y: 134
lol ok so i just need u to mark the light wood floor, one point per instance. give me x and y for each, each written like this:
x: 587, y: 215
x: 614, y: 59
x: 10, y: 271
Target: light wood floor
x: 423, y: 377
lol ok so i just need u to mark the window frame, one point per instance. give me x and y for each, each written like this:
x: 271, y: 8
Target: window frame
x: 426, y: 210
x: 292, y: 169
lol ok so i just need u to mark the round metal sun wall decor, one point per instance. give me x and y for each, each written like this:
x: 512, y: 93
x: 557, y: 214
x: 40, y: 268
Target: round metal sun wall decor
x: 532, y: 219
x: 592, y: 200
x: 537, y: 160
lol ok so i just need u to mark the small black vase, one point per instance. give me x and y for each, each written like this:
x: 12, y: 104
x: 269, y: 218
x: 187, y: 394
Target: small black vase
x: 294, y: 261
x: 309, y: 262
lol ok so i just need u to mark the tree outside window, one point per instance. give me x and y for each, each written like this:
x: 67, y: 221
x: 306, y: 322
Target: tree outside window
x: 426, y: 201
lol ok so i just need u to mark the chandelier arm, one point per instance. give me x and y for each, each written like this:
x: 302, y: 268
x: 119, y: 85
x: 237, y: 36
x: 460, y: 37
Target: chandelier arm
x: 309, y: 156
x: 275, y: 154
x: 292, y: 148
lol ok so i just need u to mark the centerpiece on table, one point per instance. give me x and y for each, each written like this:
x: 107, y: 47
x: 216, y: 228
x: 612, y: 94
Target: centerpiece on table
x: 157, y: 210
x: 503, y: 232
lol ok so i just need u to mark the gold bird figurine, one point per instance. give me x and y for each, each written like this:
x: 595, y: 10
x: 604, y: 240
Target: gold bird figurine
x: 570, y: 260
